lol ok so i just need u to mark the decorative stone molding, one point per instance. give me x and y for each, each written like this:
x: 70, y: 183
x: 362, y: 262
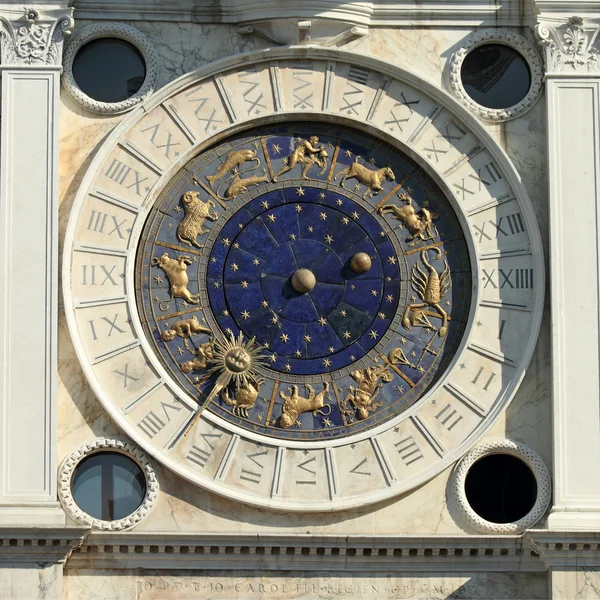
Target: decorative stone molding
x: 67, y: 470
x: 35, y: 38
x: 530, y: 458
x: 40, y: 544
x: 115, y: 30
x: 521, y: 45
x: 306, y: 552
x: 571, y: 48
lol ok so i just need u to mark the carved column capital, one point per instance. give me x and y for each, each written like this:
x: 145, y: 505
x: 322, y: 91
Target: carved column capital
x: 34, y: 38
x: 571, y: 47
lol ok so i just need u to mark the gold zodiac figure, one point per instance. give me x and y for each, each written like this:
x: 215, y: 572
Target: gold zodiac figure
x: 244, y: 397
x: 195, y: 212
x: 294, y: 404
x: 372, y: 179
x: 419, y: 223
x: 204, y: 354
x: 368, y: 389
x: 307, y: 153
x: 239, y: 185
x: 176, y: 271
x: 184, y: 329
x: 234, y: 159
x: 431, y: 288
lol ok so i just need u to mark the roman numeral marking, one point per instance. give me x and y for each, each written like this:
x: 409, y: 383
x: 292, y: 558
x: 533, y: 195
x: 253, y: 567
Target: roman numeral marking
x: 151, y: 424
x: 199, y: 455
x: 304, y: 467
x: 302, y: 74
x: 408, y: 450
x: 253, y: 476
x: 358, y: 75
x: 154, y: 129
x: 507, y: 225
x: 88, y: 275
x: 488, y: 381
x: 513, y: 278
x: 486, y: 176
x: 396, y: 120
x: 358, y: 466
x: 98, y: 221
x: 453, y: 132
x: 125, y: 375
x: 254, y: 104
x: 449, y: 417
x: 112, y: 324
x: 210, y: 122
x: 119, y: 173
x: 501, y: 331
x: 349, y: 105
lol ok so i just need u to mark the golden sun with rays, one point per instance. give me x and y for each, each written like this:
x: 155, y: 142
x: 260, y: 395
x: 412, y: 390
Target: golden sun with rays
x: 235, y: 360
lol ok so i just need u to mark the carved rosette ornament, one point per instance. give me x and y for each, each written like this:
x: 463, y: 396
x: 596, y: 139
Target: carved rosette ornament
x: 35, y: 38
x: 570, y: 48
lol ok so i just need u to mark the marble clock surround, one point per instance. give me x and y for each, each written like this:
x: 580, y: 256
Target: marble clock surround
x: 180, y: 507
x: 302, y: 53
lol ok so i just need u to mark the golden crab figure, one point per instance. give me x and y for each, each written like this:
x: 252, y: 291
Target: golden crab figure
x: 235, y: 361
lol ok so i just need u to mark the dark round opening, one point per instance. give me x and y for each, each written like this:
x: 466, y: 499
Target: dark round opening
x: 109, y: 69
x: 501, y: 488
x: 108, y: 486
x: 496, y: 76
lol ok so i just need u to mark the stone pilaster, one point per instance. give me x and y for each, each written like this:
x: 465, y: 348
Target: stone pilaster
x: 31, y: 54
x: 573, y: 95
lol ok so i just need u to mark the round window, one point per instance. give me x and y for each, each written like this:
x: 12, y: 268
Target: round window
x: 496, y: 76
x: 108, y: 486
x: 501, y: 488
x: 109, y: 69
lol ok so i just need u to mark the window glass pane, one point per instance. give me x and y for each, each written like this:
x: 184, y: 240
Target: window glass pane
x: 109, y: 69
x: 108, y: 486
x: 496, y: 76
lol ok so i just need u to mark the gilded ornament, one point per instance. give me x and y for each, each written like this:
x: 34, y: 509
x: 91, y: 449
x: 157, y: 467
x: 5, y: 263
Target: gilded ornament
x: 184, y: 329
x: 419, y: 223
x: 431, y: 288
x: 176, y: 271
x: 204, y: 354
x: 195, y: 212
x: 234, y: 159
x: 294, y: 404
x: 371, y: 179
x: 308, y: 153
x: 362, y: 398
x: 239, y: 185
x: 244, y: 397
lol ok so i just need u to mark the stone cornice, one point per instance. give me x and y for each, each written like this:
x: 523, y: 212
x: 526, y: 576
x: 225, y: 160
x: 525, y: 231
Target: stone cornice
x: 130, y: 550
x: 561, y: 549
x: 571, y: 47
x: 33, y: 36
x: 378, y: 13
x: 39, y: 545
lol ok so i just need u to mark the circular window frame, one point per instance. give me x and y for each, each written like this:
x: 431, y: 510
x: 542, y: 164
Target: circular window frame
x: 517, y: 42
x: 110, y: 30
x: 67, y: 470
x: 520, y: 451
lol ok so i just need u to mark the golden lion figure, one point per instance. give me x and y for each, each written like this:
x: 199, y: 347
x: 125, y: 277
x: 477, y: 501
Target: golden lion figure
x: 295, y: 404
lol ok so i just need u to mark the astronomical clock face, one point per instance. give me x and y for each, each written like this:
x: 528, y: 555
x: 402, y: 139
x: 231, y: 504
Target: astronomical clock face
x: 303, y: 282
x: 302, y: 312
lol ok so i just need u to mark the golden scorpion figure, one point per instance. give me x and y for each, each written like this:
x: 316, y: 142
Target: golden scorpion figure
x: 431, y: 287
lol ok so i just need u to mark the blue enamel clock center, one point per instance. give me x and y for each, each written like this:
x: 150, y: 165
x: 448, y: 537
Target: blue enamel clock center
x: 345, y: 314
x: 303, y: 281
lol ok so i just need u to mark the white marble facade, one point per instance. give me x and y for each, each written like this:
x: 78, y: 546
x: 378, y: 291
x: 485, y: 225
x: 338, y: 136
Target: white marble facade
x: 197, y: 544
